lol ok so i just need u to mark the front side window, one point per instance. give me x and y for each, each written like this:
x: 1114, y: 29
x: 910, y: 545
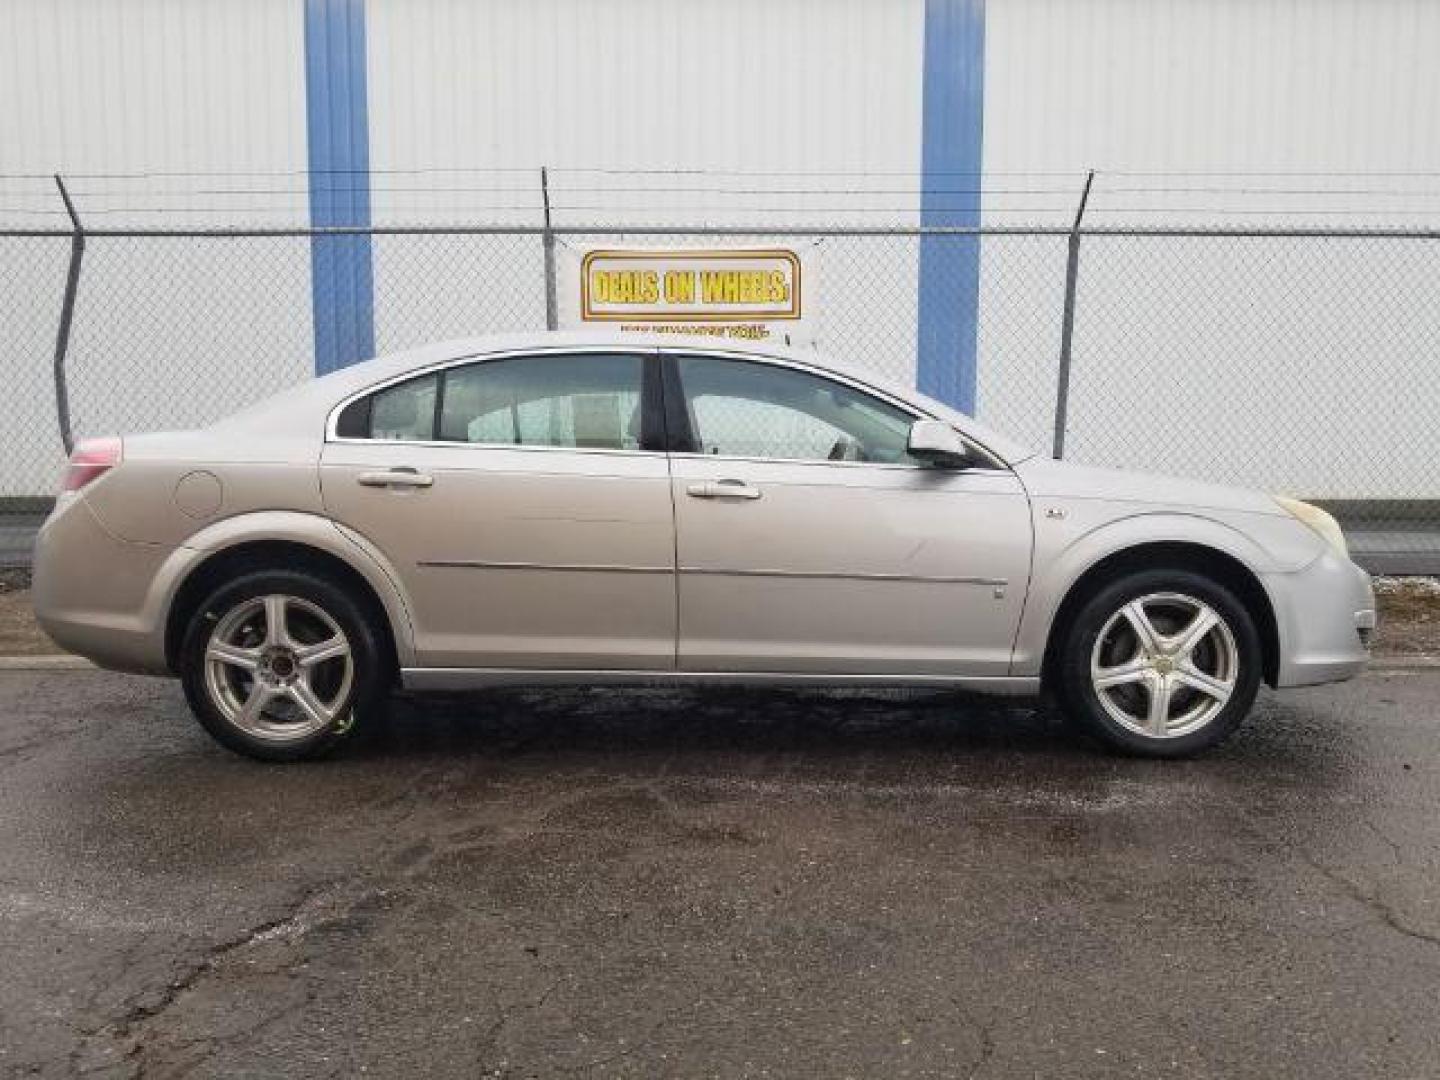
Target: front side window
x: 580, y: 401
x: 740, y: 408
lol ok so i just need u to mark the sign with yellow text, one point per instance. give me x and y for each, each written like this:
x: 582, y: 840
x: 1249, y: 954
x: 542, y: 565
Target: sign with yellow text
x: 752, y: 293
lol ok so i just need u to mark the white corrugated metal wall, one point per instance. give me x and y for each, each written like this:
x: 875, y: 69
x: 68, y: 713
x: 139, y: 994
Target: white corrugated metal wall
x: 826, y: 89
x: 1269, y: 356
x: 155, y: 106
x: 1175, y: 86
x: 196, y: 101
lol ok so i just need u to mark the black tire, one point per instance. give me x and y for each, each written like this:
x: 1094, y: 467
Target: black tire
x: 1081, y: 700
x: 369, y: 676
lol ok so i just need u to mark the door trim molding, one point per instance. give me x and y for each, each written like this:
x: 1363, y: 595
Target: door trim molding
x: 998, y: 583
x: 579, y: 568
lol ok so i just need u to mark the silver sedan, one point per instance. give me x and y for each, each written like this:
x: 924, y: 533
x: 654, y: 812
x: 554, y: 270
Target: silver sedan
x: 551, y: 508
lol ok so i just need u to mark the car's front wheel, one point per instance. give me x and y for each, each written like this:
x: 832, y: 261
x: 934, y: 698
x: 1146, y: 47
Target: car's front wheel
x: 1161, y: 663
x: 278, y: 665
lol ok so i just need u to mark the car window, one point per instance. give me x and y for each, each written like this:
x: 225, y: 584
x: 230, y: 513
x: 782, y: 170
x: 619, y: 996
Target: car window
x: 405, y: 411
x: 744, y: 409
x: 583, y: 401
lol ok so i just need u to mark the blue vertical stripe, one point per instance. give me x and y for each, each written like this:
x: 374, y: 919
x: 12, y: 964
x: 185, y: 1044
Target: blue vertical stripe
x: 951, y: 150
x: 341, y: 278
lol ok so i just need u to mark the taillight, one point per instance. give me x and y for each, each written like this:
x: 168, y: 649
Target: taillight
x: 91, y: 459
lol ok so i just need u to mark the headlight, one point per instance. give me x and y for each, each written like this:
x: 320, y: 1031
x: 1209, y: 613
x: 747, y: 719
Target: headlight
x: 1324, y: 525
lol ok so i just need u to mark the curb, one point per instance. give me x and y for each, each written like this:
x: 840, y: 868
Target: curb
x: 60, y: 662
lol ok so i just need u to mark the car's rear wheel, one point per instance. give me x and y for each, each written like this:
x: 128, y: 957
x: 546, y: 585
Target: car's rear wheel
x: 1161, y: 663
x: 280, y: 665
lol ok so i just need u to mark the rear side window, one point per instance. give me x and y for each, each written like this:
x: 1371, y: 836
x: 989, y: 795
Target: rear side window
x: 404, y: 412
x: 582, y: 401
x: 586, y: 401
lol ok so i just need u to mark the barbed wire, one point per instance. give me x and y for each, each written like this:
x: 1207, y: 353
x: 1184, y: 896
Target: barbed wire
x: 555, y: 170
x: 407, y: 194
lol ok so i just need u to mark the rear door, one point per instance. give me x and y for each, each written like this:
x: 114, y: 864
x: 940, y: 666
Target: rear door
x: 809, y: 541
x: 525, y: 502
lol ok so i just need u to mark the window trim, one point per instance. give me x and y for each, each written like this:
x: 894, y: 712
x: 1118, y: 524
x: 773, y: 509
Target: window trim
x: 650, y: 410
x: 677, y: 416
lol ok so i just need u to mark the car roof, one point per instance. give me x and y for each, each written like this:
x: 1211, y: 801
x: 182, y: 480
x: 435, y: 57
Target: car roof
x: 328, y: 390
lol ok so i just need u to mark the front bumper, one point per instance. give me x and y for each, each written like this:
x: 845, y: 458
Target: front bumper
x: 1324, y: 614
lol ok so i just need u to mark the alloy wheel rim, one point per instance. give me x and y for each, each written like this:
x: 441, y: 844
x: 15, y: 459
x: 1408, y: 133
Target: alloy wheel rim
x: 1164, y: 665
x: 279, y: 668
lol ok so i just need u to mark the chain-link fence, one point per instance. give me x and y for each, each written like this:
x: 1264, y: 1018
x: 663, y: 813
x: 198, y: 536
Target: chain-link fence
x: 1294, y: 361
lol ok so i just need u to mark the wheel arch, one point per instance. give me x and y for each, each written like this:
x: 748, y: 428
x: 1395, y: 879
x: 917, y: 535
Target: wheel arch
x: 1169, y: 555
x: 310, y: 543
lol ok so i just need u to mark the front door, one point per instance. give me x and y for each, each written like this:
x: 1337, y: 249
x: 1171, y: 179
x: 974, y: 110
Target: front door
x: 809, y: 541
x: 518, y: 501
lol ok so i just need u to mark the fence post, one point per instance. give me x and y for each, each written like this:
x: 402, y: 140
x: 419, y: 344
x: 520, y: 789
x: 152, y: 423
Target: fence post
x: 67, y: 315
x: 1067, y: 323
x: 547, y: 239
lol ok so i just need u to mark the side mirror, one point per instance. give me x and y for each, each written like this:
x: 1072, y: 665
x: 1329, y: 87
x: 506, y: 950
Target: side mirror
x: 937, y: 443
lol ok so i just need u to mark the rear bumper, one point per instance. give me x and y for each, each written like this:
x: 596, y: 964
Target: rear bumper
x: 1324, y: 615
x: 94, y: 593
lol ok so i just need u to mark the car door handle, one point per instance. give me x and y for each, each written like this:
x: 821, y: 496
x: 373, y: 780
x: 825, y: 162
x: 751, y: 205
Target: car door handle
x: 723, y: 489
x: 395, y: 478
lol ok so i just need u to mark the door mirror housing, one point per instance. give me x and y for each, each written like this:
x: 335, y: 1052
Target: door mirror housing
x: 937, y: 443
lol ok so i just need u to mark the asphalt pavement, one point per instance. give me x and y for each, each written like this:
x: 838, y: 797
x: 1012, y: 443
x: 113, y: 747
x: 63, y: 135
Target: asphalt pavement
x: 665, y: 883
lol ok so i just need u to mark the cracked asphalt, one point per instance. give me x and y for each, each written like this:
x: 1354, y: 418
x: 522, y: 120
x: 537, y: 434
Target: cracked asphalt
x: 666, y: 883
